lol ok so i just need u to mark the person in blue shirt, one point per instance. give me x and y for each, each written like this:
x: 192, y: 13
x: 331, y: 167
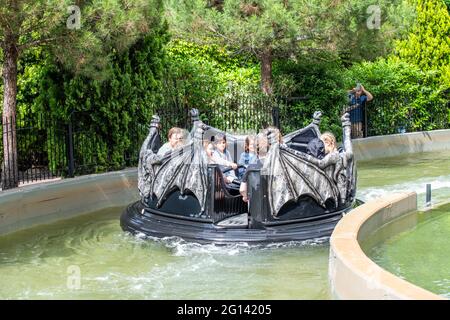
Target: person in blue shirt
x: 262, y: 148
x: 358, y: 97
x: 248, y: 156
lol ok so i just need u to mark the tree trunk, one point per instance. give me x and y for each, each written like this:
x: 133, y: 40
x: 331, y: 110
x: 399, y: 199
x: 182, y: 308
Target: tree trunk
x: 266, y: 71
x: 10, y: 174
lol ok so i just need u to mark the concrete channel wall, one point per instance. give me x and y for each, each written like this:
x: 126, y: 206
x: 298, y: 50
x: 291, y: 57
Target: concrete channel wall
x: 43, y: 203
x: 352, y: 274
x: 399, y: 144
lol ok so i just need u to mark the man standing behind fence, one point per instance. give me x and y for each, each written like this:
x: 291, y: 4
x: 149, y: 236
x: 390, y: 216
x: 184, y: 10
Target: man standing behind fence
x: 358, y: 97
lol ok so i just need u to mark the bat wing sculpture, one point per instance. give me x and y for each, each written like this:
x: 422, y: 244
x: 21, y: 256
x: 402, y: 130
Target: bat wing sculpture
x: 185, y: 169
x: 291, y: 176
x: 147, y: 155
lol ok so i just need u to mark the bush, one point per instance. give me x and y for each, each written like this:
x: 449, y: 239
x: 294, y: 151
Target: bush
x: 201, y: 74
x: 315, y: 85
x: 105, y: 114
x: 403, y: 95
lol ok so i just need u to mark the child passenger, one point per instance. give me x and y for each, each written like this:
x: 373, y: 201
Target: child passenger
x: 263, y: 147
x: 222, y: 157
x: 248, y: 156
x: 209, y: 149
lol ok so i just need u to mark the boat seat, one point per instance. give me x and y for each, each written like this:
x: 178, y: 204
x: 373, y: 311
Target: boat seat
x: 227, y: 202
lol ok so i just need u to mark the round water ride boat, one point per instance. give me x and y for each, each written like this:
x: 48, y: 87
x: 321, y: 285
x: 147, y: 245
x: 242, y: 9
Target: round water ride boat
x: 292, y: 196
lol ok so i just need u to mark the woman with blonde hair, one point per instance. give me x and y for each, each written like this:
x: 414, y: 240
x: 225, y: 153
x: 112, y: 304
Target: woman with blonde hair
x: 329, y: 140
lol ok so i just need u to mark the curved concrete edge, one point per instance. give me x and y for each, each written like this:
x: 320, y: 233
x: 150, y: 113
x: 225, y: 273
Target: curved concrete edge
x: 352, y: 274
x: 44, y: 203
x: 399, y: 144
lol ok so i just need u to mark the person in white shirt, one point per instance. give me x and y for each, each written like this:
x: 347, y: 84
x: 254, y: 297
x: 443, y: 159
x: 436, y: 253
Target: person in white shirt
x: 175, y: 137
x: 222, y: 157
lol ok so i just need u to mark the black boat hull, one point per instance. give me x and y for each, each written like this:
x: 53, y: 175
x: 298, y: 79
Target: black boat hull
x: 138, y: 219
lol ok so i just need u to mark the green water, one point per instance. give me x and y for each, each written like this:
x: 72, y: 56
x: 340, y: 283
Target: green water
x: 89, y: 257
x: 37, y: 263
x: 421, y: 254
x: 400, y: 174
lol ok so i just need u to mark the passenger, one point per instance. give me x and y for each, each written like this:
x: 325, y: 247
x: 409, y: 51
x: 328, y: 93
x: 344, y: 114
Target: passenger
x: 209, y: 149
x: 329, y: 140
x: 222, y: 157
x: 316, y: 148
x: 248, y: 156
x: 262, y: 149
x: 331, y: 162
x: 175, y: 137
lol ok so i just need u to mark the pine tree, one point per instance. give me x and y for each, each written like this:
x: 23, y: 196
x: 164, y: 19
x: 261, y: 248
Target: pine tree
x: 274, y: 29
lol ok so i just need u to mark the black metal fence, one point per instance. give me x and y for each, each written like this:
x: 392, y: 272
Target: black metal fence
x: 39, y: 155
x: 49, y: 148
x: 90, y: 150
x: 398, y: 114
x: 238, y: 113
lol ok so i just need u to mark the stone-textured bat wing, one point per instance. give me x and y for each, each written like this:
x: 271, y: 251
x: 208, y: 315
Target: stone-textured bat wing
x: 291, y: 176
x: 147, y: 156
x: 185, y: 169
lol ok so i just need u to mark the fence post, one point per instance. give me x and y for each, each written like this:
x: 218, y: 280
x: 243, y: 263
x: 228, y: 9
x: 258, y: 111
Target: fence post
x: 70, y: 162
x: 365, y: 120
x: 276, y: 117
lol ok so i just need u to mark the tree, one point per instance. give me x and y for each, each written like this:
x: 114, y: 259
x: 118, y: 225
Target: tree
x: 447, y: 3
x: 81, y: 37
x: 428, y: 43
x: 265, y: 29
x: 273, y: 29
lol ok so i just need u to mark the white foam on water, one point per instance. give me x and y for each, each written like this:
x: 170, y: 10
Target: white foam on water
x: 418, y: 186
x: 182, y: 248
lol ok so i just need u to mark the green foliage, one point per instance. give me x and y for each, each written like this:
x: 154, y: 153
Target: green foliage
x: 348, y: 27
x: 403, y: 94
x: 88, y: 40
x: 200, y: 75
x: 447, y: 3
x: 250, y: 25
x: 110, y: 90
x: 320, y: 85
x: 362, y: 29
x: 428, y: 43
x: 105, y: 114
x: 83, y: 42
